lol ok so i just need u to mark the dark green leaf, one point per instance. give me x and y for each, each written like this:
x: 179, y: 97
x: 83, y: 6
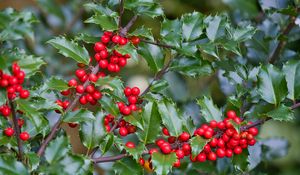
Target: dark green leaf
x: 127, y: 166
x: 272, y: 85
x: 136, y: 152
x: 159, y: 86
x: 153, y: 55
x: 33, y: 160
x: 213, y: 29
x: 51, y: 7
x: 10, y: 166
x: 292, y: 74
x: 107, y: 143
x: 192, y: 25
x: 240, y: 161
x: 2, y: 97
x: 128, y: 49
x: 171, y: 32
x: 98, y: 8
x: 208, y: 110
x: 197, y: 144
x: 170, y: 117
x: 30, y: 65
x: 282, y: 113
x: 144, y: 7
x: 56, y: 149
x: 162, y: 163
x: 87, y: 38
x: 57, y: 84
x: 142, y: 32
x: 77, y: 116
x: 113, y: 83
x: 109, y: 105
x: 189, y: 125
x: 91, y: 132
x: 70, y: 49
x: 106, y: 22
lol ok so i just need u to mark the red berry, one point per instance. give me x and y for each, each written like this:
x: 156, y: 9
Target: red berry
x: 186, y: 147
x: 141, y: 161
x: 80, y: 89
x: 206, y: 148
x: 213, y: 142
x: 4, y: 83
x: 131, y: 129
x: 253, y: 131
x: 153, y: 150
x: 72, y: 125
x: 103, y: 54
x: 221, y: 143
x: 166, y: 148
x: 83, y: 100
x: 65, y: 93
x: 24, y: 136
x: 21, y: 75
x: 9, y: 132
x: 127, y: 91
x: 105, y: 39
x: 212, y: 156
x: 165, y: 131
x: 108, y: 33
x: 171, y: 139
x: 221, y: 125
x: 13, y: 80
x: 99, y: 46
x: 228, y: 153
x: 120, y: 105
x: 177, y: 163
x: 122, y: 62
x: 135, y: 91
x: 130, y: 145
x: 237, y: 150
x: 208, y: 134
x: 184, y: 137
x: 103, y: 64
x: 116, y: 39
x: 114, y: 59
x: 132, y: 99
x: 201, y: 157
x: 72, y: 82
x: 97, y: 95
x: 123, y: 41
x: 179, y: 154
x: 20, y: 122
x: 135, y: 40
x: 221, y: 152
x: 111, y: 67
x: 93, y: 77
x: 251, y: 142
x: 90, y: 89
x: 123, y: 131
x: 24, y: 94
x: 213, y: 123
x: 159, y: 142
x: 126, y: 110
x: 117, y: 68
x: 231, y: 114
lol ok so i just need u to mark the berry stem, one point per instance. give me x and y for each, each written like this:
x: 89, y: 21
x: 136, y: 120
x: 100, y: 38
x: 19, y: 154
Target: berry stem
x: 56, y: 126
x: 17, y: 129
x: 124, y: 30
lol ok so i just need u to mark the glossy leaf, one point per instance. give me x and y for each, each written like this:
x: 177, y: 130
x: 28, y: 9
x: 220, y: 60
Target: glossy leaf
x: 153, y: 55
x: 197, y: 144
x: 70, y: 49
x: 30, y: 65
x: 162, y: 163
x: 128, y: 49
x: 113, y: 83
x: 79, y: 116
x: 192, y: 25
x: 107, y: 143
x: 127, y: 166
x: 292, y: 75
x: 9, y: 165
x: 106, y: 22
x: 56, y: 149
x: 57, y: 84
x: 109, y: 105
x: 136, y: 152
x: 282, y: 113
x: 209, y: 110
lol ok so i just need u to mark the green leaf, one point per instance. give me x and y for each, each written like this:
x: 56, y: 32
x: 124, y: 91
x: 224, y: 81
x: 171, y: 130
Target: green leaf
x: 127, y: 166
x: 162, y: 163
x: 10, y: 166
x: 70, y: 49
x: 107, y: 143
x: 30, y: 65
x: 192, y: 25
x: 33, y: 160
x: 189, y: 125
x: 74, y: 164
x: 213, y: 27
x: 243, y: 33
x: 91, y: 132
x: 197, y: 144
x: 38, y: 120
x: 77, y: 116
x: 158, y: 86
x: 136, y: 152
x: 144, y: 7
x: 282, y: 113
x: 272, y: 85
x: 151, y: 121
x: 56, y: 149
x: 109, y: 105
x: 240, y: 161
x: 170, y: 117
x: 135, y: 119
x: 171, y: 32
x: 128, y: 49
x: 106, y: 22
x: 191, y: 67
x: 292, y: 73
x: 208, y: 110
x: 2, y: 97
x: 153, y: 55
x: 91, y: 39
x: 57, y: 84
x: 143, y: 32
x: 98, y: 8
x: 113, y: 83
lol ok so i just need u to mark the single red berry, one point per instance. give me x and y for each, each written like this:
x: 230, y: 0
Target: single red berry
x: 127, y: 91
x: 159, y: 142
x: 90, y: 89
x: 231, y: 114
x: 125, y: 110
x: 122, y: 62
x: 99, y: 46
x: 108, y: 33
x: 131, y: 129
x: 10, y: 90
x: 135, y: 91
x: 72, y: 82
x: 201, y: 157
x: 213, y: 142
x: 9, y: 132
x: 123, y: 41
x: 103, y: 64
x: 213, y: 123
x: 208, y: 134
x: 228, y: 153
x: 237, y: 150
x: 65, y: 92
x: 130, y: 145
x: 221, y: 143
x: 186, y: 147
x: 221, y: 152
x: 135, y: 40
x: 24, y: 136
x: 179, y: 154
x: 166, y: 148
x: 251, y: 142
x: 93, y: 78
x: 153, y: 150
x: 141, y: 161
x: 105, y: 39
x: 176, y: 164
x: 84, y: 78
x: 24, y: 94
x: 4, y: 83
x: 120, y: 105
x: 20, y: 122
x: 212, y: 156
x: 253, y: 131
x: 165, y: 131
x: 207, y: 148
x: 123, y: 131
x: 132, y: 99
x: 114, y: 59
x: 97, y: 95
x: 249, y: 136
x: 184, y: 137
x: 83, y: 100
x: 111, y: 67
x: 21, y: 75
x: 80, y: 89
x: 13, y: 80
x: 117, y: 68
x: 171, y: 139
x: 116, y: 39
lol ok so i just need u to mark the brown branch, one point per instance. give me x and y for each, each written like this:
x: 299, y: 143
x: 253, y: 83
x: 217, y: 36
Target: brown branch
x: 276, y: 52
x: 17, y: 129
x: 159, y: 44
x: 121, y: 14
x: 124, y: 30
x: 56, y: 126
x: 109, y: 158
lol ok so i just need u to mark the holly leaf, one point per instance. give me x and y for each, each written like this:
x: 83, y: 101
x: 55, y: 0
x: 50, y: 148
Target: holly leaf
x: 213, y: 29
x: 92, y: 131
x: 171, y: 32
x: 87, y: 38
x: 144, y: 7
x: 109, y: 105
x: 272, y: 85
x: 115, y: 84
x: 30, y: 65
x: 9, y: 165
x: 78, y: 116
x: 70, y: 49
x: 56, y: 149
x: 58, y: 84
x: 142, y: 32
x: 128, y: 49
x: 153, y: 56
x: 151, y: 120
x: 37, y: 119
x: 197, y: 144
x: 107, y: 22
x: 170, y: 117
x: 127, y: 166
x: 135, y: 119
x: 240, y: 161
x: 162, y: 163
x: 136, y: 152
x: 291, y: 70
x: 192, y: 26
x: 282, y: 113
x: 159, y: 85
x: 208, y: 110
x: 107, y: 143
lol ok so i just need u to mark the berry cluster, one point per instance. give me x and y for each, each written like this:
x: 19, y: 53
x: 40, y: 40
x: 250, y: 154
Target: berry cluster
x: 115, y: 61
x: 132, y: 95
x: 223, y: 140
x: 13, y: 85
x: 125, y: 128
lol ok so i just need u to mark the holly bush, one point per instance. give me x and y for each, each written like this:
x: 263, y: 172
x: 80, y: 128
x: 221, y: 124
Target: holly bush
x: 152, y: 129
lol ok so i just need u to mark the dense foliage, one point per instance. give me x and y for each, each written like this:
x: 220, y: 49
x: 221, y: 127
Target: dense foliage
x: 146, y: 130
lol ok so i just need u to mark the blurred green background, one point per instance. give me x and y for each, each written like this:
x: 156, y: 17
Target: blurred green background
x: 65, y: 17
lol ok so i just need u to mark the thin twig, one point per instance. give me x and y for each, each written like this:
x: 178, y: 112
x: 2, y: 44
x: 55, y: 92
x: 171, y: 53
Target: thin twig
x: 17, y: 129
x: 276, y: 52
x: 159, y: 44
x: 56, y: 126
x: 124, y: 30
